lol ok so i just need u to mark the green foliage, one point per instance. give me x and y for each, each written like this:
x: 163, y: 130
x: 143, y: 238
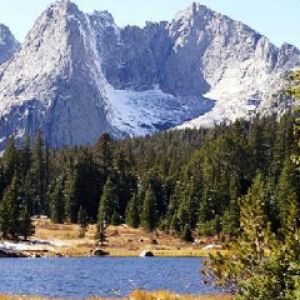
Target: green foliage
x: 149, y: 216
x: 71, y: 198
x: 108, y: 207
x: 294, y: 90
x: 257, y: 266
x: 231, y: 219
x: 209, y: 228
x: 39, y: 176
x: 286, y: 195
x: 26, y: 227
x: 132, y: 212
x: 9, y: 210
x: 191, y: 177
x: 15, y: 218
x: 57, y: 203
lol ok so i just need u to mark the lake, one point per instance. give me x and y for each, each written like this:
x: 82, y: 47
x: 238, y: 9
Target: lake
x: 109, y: 276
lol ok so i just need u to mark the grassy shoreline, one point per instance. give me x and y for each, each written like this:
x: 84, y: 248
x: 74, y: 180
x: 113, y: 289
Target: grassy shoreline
x: 122, y: 241
x: 119, y: 252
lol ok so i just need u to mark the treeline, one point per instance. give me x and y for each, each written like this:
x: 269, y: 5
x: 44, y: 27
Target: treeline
x: 177, y: 181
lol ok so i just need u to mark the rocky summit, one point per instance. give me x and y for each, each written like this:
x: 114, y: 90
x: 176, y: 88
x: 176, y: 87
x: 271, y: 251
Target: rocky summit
x: 8, y: 44
x: 79, y: 75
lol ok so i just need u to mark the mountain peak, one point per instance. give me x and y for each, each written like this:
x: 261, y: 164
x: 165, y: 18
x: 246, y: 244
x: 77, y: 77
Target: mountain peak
x: 62, y: 3
x: 104, y: 17
x: 3, y: 28
x: 62, y: 7
x: 8, y: 43
x: 194, y: 10
x: 78, y: 75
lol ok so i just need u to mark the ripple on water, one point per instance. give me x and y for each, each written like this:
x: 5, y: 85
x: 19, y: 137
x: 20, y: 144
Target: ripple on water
x: 109, y: 277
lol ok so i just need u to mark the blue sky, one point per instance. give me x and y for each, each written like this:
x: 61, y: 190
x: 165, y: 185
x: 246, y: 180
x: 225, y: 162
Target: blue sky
x: 277, y: 19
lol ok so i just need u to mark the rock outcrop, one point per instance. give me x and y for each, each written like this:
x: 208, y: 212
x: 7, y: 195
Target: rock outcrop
x: 8, y: 44
x: 99, y: 252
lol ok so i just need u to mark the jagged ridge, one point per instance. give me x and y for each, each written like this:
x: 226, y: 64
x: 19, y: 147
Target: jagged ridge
x: 77, y: 76
x: 8, y: 44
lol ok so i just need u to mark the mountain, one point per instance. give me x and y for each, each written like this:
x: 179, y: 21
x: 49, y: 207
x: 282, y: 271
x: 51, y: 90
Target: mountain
x: 8, y: 44
x: 78, y: 75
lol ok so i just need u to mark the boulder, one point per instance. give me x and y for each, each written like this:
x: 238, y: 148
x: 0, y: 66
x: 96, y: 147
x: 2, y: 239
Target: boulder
x: 146, y: 253
x: 99, y: 252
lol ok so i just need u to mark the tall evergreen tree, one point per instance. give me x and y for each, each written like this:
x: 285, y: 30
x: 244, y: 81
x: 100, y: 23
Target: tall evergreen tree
x: 108, y: 205
x: 10, y: 210
x: 103, y: 154
x: 132, y: 212
x: 287, y: 198
x: 38, y: 176
x: 57, y: 202
x: 126, y: 181
x: 149, y: 215
x: 254, y: 220
x: 26, y: 227
x: 9, y: 161
x: 71, y: 201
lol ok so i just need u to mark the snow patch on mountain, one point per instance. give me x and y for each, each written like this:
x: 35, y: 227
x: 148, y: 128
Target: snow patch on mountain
x: 141, y: 113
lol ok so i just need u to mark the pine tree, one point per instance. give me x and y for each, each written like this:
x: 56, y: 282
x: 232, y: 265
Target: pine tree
x: 149, y: 216
x: 89, y: 183
x: 283, y: 146
x: 125, y: 179
x: 4, y: 219
x: 286, y: 196
x: 116, y: 218
x: 254, y: 220
x: 9, y: 161
x: 71, y: 200
x: 26, y: 228
x: 108, y: 205
x: 295, y: 91
x: 103, y: 154
x: 38, y: 176
x: 10, y: 210
x: 247, y: 255
x: 231, y: 219
x: 57, y: 203
x: 2, y: 179
x: 132, y: 212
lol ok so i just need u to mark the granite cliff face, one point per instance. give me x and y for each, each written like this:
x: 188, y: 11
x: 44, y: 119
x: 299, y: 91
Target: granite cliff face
x: 77, y: 75
x: 8, y: 44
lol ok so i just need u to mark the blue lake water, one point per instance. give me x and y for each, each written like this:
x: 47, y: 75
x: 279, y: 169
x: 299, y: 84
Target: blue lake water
x: 109, y: 277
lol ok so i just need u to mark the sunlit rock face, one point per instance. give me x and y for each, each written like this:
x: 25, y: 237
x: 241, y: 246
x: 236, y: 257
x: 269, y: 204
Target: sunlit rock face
x: 79, y: 75
x: 8, y: 44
